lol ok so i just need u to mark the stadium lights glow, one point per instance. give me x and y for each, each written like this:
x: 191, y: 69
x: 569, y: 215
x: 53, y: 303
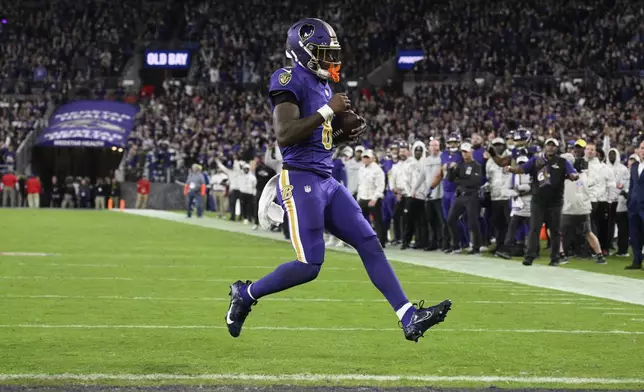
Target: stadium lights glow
x: 113, y: 148
x: 120, y: 150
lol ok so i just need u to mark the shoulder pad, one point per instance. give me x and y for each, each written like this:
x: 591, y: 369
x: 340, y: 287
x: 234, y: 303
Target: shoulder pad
x: 284, y: 79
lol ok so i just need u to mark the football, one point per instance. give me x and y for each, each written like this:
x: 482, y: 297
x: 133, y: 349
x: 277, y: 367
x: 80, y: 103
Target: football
x: 343, y: 123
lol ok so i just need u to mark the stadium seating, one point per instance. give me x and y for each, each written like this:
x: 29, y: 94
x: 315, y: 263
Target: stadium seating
x: 17, y: 118
x: 530, y: 38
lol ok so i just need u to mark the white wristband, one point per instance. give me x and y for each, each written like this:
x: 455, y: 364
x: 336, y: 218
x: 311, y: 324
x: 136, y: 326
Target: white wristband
x: 326, y: 112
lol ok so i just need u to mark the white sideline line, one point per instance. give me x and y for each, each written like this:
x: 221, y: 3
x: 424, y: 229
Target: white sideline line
x: 268, y: 299
x: 327, y: 329
x: 321, y: 377
x: 639, y: 320
x: 37, y: 277
x: 27, y: 254
x: 605, y: 286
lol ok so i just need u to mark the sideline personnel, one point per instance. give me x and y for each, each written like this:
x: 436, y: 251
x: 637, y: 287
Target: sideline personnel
x: 468, y: 179
x: 549, y: 172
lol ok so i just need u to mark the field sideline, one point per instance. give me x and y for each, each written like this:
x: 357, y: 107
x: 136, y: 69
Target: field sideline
x: 130, y: 300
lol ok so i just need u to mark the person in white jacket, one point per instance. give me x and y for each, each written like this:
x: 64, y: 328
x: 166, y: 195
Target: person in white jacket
x: 371, y: 191
x: 519, y: 188
x: 352, y: 167
x: 602, y: 178
x: 415, y: 224
x: 497, y: 182
x: 622, y: 177
x: 233, y: 184
x: 575, y: 214
x: 398, y: 185
x: 218, y: 181
x: 433, y: 210
x: 247, y: 188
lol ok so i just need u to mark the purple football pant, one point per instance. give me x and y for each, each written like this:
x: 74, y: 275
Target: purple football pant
x: 388, y: 208
x: 314, y: 203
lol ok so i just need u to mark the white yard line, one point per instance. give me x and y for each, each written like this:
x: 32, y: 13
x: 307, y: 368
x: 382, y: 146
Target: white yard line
x: 606, y: 286
x: 213, y: 266
x: 322, y: 329
x: 320, y: 377
x: 26, y: 254
x: 603, y: 308
x: 623, y: 314
x: 230, y: 280
x: 268, y: 299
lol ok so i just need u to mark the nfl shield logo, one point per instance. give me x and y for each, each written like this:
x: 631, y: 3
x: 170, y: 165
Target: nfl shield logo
x: 284, y: 78
x: 307, y: 188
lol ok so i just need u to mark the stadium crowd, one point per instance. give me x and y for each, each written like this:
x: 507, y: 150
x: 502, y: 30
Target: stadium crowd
x: 530, y: 37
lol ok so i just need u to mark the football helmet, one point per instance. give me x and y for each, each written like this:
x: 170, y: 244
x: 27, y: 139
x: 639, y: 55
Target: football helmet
x: 313, y: 45
x: 453, y: 142
x: 522, y: 136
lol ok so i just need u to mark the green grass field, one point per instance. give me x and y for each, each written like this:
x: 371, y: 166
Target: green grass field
x: 128, y: 295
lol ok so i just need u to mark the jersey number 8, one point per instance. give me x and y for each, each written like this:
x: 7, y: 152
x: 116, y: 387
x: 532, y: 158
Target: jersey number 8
x: 327, y: 134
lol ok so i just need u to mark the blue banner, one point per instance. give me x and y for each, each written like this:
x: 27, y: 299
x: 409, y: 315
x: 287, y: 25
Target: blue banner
x: 89, y: 124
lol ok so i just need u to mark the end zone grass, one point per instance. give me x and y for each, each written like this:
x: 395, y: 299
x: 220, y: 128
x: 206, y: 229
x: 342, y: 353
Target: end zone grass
x: 128, y: 295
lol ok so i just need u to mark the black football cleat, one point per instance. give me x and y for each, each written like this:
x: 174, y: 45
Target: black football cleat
x: 425, y: 318
x: 238, y: 310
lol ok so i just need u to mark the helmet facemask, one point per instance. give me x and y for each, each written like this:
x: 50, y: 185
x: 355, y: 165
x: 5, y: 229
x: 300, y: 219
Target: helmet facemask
x: 325, y: 59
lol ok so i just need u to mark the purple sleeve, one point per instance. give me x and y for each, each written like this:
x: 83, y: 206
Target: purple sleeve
x: 569, y: 168
x: 284, y: 80
x: 527, y: 167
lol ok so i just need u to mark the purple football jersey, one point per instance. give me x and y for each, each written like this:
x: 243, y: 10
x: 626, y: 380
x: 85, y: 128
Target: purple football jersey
x: 314, y: 154
x: 448, y: 157
x: 531, y: 150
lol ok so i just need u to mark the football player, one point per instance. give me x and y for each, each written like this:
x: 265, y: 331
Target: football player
x: 389, y: 201
x: 449, y: 156
x: 303, y: 108
x: 522, y: 144
x: 521, y: 139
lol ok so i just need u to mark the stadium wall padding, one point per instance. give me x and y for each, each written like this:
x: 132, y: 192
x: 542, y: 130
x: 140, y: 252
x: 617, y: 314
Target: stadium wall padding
x: 162, y: 196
